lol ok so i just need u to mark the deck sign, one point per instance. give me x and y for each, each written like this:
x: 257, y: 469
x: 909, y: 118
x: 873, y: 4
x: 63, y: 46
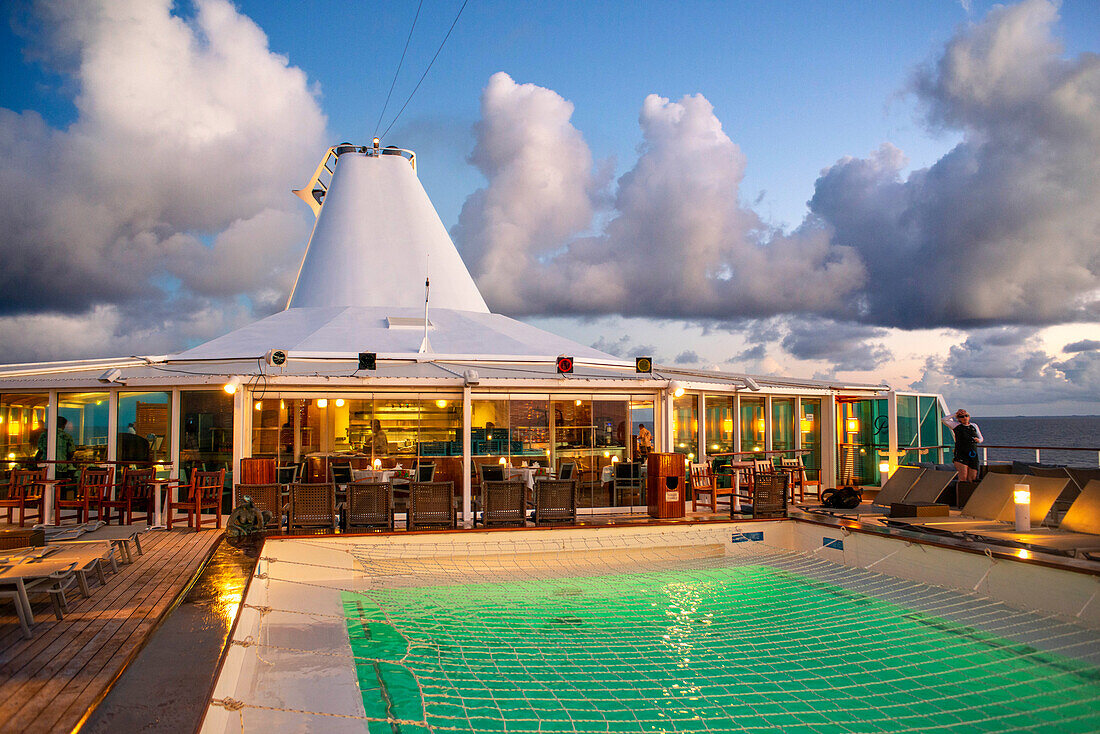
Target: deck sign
x: 747, y: 537
x: 565, y: 365
x: 834, y: 543
x: 368, y: 360
x: 643, y: 365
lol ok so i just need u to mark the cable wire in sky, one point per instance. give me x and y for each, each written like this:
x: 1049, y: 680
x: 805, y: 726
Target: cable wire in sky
x: 459, y: 15
x: 399, y: 63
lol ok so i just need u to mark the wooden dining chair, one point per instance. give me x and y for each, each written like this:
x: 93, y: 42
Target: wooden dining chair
x: 135, y: 492
x: 703, y: 482
x: 95, y: 484
x: 799, y: 483
x: 25, y: 492
x: 204, y: 492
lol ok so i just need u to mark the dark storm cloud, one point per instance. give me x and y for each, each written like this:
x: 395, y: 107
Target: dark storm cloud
x: 1085, y: 345
x: 848, y: 346
x: 688, y: 356
x: 1004, y: 228
x: 756, y: 352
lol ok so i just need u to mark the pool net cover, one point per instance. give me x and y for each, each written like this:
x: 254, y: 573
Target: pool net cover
x: 536, y: 640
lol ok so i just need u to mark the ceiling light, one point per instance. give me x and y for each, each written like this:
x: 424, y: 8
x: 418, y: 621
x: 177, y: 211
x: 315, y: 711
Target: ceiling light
x: 322, y: 402
x: 231, y: 386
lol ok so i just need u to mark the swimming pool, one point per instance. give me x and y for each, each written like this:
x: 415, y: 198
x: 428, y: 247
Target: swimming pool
x: 533, y: 634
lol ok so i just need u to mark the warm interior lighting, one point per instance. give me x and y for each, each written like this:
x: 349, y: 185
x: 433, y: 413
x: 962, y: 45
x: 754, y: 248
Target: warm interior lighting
x: 231, y: 386
x: 884, y: 467
x: 727, y: 425
x: 11, y: 455
x: 377, y: 463
x: 614, y: 459
x: 760, y: 426
x: 322, y: 402
x: 259, y: 405
x: 441, y: 403
x: 691, y: 456
x: 502, y: 461
x: 852, y: 424
x: 339, y: 402
x: 577, y: 403
x: 282, y: 405
x: 606, y: 454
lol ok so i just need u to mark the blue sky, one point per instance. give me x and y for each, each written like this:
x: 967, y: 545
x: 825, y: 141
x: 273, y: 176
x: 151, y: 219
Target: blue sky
x: 796, y: 87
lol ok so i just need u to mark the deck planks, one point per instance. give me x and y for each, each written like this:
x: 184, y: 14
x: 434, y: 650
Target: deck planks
x: 49, y: 682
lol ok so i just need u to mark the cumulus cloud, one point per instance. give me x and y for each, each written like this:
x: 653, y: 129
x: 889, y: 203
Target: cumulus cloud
x: 848, y: 346
x: 688, y: 356
x: 1003, y: 228
x: 677, y: 243
x: 749, y: 354
x: 167, y: 198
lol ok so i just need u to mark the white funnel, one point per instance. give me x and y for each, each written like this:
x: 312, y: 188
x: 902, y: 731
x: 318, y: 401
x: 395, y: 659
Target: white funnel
x: 375, y: 230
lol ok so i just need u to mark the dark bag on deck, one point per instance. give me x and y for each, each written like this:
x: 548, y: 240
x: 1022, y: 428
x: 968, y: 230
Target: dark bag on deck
x: 843, y: 498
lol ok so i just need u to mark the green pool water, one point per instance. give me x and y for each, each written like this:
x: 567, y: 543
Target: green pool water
x: 744, y: 648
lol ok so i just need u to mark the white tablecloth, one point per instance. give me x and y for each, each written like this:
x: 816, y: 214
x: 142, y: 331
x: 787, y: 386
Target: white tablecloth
x: 526, y: 473
x: 372, y: 475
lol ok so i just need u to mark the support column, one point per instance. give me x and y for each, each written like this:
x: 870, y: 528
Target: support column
x: 701, y: 434
x: 177, y: 421
x: 737, y: 424
x: 467, y: 491
x: 112, y: 428
x: 892, y: 433
x: 767, y: 423
x: 828, y: 442
x: 242, y: 424
x: 51, y: 435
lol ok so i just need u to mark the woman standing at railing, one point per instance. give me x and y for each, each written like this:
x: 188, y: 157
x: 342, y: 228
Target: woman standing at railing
x: 967, y: 438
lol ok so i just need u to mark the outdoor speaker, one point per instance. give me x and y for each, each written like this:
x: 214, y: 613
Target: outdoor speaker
x: 565, y: 365
x: 368, y: 360
x: 275, y: 357
x: 643, y: 364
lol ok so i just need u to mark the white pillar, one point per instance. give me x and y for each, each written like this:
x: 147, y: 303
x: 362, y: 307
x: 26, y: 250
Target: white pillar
x: 242, y: 424
x: 828, y: 442
x: 891, y: 431
x: 51, y: 435
x: 768, y: 423
x: 737, y: 424
x: 702, y: 433
x: 467, y: 424
x: 177, y: 422
x: 112, y: 426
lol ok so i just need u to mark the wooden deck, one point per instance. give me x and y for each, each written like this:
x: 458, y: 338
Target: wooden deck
x: 48, y: 683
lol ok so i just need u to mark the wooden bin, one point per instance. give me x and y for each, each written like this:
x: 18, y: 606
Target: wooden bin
x: 665, y: 485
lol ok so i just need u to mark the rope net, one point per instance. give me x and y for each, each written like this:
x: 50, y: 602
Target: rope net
x: 682, y: 638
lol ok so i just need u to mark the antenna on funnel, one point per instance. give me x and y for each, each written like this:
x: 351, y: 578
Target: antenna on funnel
x: 425, y: 346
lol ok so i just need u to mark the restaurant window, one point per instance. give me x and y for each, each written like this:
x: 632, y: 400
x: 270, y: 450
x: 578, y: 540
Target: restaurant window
x: 752, y: 425
x: 931, y: 429
x: 86, y: 421
x: 719, y: 424
x: 810, y: 428
x: 573, y: 433
x: 206, y: 430
x: 685, y: 426
x: 908, y: 428
x: 22, y: 422
x: 144, y: 420
x: 610, y: 418
x: 783, y: 427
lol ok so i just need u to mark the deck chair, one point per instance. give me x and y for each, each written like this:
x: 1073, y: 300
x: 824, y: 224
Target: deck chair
x: 1077, y: 535
x: 799, y: 482
x: 311, y: 505
x: 991, y: 501
x: 703, y: 482
x: 1044, y: 492
x: 267, y: 496
x: 135, y: 492
x: 24, y: 493
x: 431, y: 504
x: 504, y: 503
x: 1081, y: 477
x: 626, y: 481
x: 203, y: 493
x: 555, y: 501
x: 370, y: 506
x: 93, y: 486
x: 896, y: 488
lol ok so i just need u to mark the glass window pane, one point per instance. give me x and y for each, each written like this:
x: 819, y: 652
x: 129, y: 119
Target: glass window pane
x: 610, y: 420
x: 685, y: 426
x: 22, y: 422
x: 810, y: 426
x: 752, y: 425
x: 144, y: 426
x: 85, y: 417
x: 719, y: 424
x: 206, y: 425
x: 573, y: 439
x: 783, y: 425
x: 641, y: 417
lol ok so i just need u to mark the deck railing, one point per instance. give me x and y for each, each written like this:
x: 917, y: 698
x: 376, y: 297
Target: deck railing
x: 1039, y: 449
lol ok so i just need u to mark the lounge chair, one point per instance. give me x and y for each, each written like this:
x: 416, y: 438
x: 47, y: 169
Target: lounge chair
x: 555, y: 501
x: 504, y: 503
x: 991, y: 507
x: 895, y: 490
x: 1077, y: 535
x: 431, y: 504
x: 370, y: 506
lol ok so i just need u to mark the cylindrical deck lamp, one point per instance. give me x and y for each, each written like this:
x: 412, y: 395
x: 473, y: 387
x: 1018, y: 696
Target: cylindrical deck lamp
x: 1022, y: 495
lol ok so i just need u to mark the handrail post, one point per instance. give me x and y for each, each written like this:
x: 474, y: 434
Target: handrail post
x: 985, y: 455
x: 1036, y: 455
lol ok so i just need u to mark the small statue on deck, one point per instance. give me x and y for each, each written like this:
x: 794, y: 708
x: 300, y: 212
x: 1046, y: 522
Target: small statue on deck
x: 247, y: 520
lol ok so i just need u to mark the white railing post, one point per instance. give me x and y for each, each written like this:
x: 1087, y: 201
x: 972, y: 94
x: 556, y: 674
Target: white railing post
x: 1036, y: 455
x: 985, y: 455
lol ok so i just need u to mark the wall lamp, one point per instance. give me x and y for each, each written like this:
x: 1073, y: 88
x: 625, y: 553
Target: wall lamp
x: 676, y: 388
x: 111, y: 375
x: 231, y: 386
x: 471, y: 377
x: 751, y: 384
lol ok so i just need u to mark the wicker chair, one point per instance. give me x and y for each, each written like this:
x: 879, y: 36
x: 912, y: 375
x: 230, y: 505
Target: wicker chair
x: 135, y: 491
x: 264, y: 497
x: 555, y: 501
x: 312, y: 506
x: 93, y: 486
x: 370, y: 506
x: 769, y: 494
x: 504, y: 503
x: 431, y: 504
x: 203, y: 493
x: 25, y: 493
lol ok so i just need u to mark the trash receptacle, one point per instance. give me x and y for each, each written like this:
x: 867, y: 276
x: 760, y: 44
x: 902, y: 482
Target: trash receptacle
x: 665, y: 485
